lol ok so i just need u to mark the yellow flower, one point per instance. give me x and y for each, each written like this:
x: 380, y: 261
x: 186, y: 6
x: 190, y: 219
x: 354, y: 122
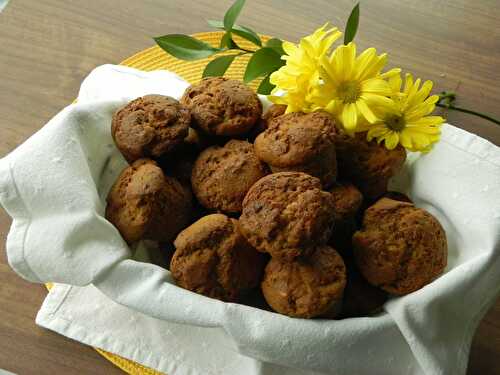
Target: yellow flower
x: 406, y: 121
x: 353, y: 85
x: 300, y: 73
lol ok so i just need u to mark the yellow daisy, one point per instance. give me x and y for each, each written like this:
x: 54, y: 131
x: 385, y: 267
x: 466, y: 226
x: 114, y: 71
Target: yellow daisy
x: 406, y: 121
x: 301, y: 70
x: 353, y: 85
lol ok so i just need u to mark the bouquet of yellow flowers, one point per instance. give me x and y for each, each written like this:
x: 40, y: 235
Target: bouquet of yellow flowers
x: 353, y: 88
x: 315, y: 75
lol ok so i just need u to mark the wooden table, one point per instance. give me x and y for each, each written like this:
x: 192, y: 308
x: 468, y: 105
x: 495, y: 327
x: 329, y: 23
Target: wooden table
x: 47, y: 48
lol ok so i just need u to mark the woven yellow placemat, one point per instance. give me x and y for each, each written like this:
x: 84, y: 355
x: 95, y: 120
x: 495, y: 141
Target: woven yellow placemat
x: 155, y: 58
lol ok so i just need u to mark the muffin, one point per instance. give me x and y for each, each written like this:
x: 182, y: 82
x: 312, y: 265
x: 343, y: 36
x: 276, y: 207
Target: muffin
x: 212, y: 258
x: 273, y: 111
x: 221, y: 176
x: 149, y: 127
x: 222, y: 107
x: 287, y: 214
x: 400, y: 247
x: 301, y: 142
x: 347, y: 202
x: 145, y: 204
x: 368, y: 165
x: 306, y: 287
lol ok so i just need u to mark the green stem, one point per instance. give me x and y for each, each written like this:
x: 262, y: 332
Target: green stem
x: 459, y: 109
x: 245, y: 50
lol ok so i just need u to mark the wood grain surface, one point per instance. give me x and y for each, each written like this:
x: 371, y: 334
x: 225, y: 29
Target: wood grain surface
x: 47, y: 48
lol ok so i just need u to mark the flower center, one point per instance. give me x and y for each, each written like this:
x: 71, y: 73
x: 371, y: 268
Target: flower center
x: 396, y: 123
x: 349, y: 92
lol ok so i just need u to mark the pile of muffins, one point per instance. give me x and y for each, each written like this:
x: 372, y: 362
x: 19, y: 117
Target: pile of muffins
x: 282, y: 211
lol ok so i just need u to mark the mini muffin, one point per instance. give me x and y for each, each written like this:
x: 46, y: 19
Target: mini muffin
x: 347, y: 202
x: 149, y: 127
x: 221, y: 176
x: 287, y: 214
x: 360, y: 297
x: 212, y: 258
x: 368, y: 165
x: 307, y: 286
x: 222, y: 107
x: 301, y: 142
x: 400, y: 247
x: 145, y: 204
x: 273, y: 111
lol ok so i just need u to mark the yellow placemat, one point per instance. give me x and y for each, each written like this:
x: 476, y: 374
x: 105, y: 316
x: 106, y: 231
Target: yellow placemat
x: 155, y: 58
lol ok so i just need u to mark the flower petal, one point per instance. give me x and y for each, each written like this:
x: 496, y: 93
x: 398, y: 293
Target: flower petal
x: 364, y: 61
x: 418, y: 111
x: 395, y: 84
x: 421, y: 94
x: 377, y: 131
x: 428, y: 121
x: 366, y: 111
x: 349, y: 116
x: 405, y: 139
x: 375, y: 67
x: 408, y: 83
x: 375, y: 86
x: 391, y: 73
x: 334, y: 107
x: 391, y: 140
x: 378, y: 100
x: 344, y: 60
x: 289, y: 48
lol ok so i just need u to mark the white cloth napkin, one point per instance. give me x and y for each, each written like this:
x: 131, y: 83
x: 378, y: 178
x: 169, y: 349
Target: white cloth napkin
x: 54, y: 187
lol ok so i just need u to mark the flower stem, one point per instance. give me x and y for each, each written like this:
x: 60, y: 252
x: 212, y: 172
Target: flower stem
x: 464, y: 110
x: 245, y: 50
x: 446, y: 100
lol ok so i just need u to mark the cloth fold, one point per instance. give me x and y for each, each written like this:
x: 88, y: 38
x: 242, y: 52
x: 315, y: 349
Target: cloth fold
x: 54, y: 186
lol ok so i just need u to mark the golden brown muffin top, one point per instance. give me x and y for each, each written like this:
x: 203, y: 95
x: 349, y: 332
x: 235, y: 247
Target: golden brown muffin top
x: 212, y: 258
x: 307, y: 286
x: 295, y: 138
x: 400, y: 247
x: 221, y: 176
x: 150, y: 126
x: 222, y: 107
x: 287, y: 214
x: 145, y: 204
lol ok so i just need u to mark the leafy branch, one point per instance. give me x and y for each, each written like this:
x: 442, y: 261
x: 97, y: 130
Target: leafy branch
x: 265, y: 59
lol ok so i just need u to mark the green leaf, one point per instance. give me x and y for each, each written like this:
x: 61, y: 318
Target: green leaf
x: 276, y: 44
x: 227, y: 41
x: 218, y: 66
x: 217, y: 24
x: 226, y: 38
x: 265, y: 86
x: 185, y: 47
x: 352, y: 25
x: 263, y: 62
x: 242, y: 31
x: 247, y: 34
x: 233, y: 13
